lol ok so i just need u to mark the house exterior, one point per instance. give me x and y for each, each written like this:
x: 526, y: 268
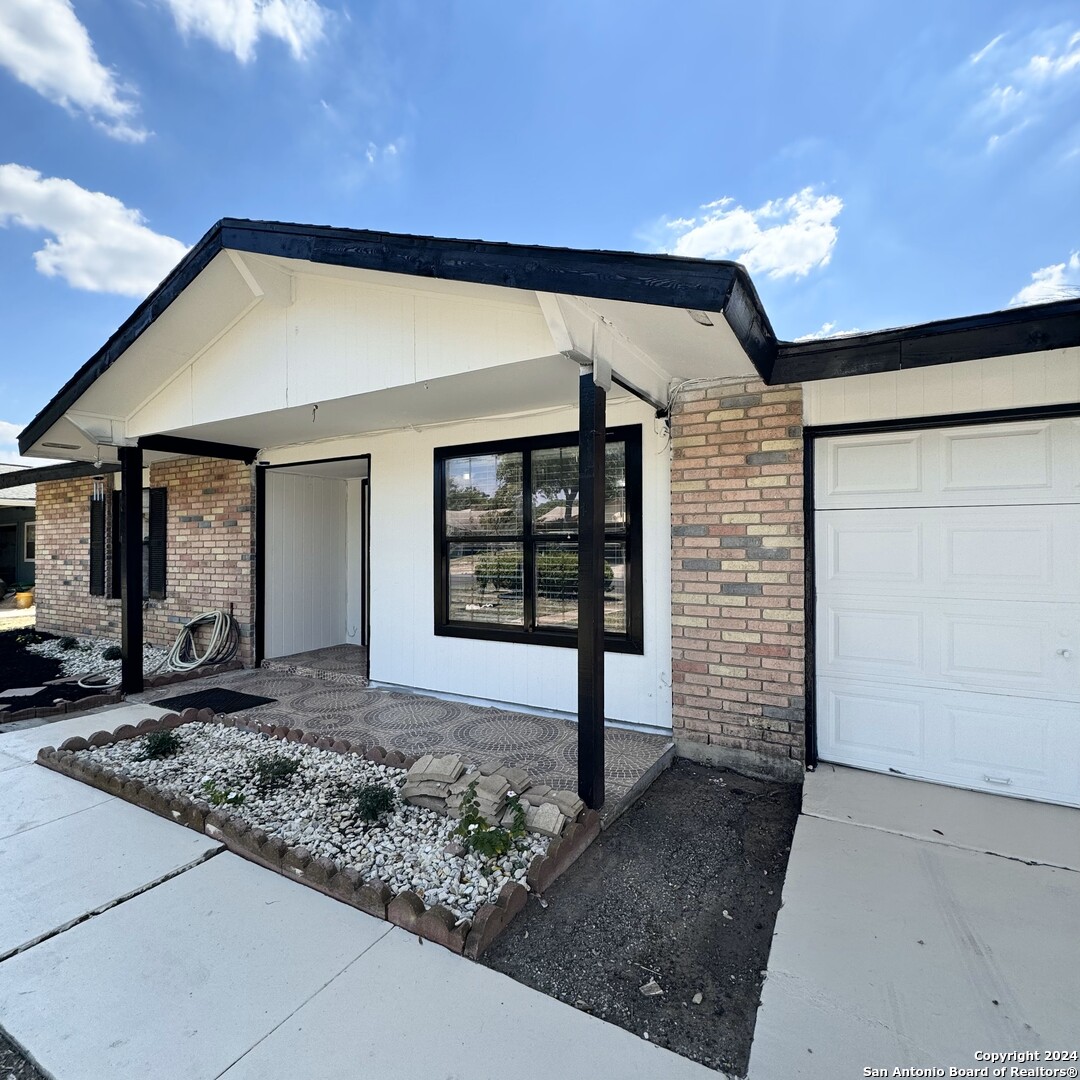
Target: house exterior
x: 863, y: 550
x: 18, y: 531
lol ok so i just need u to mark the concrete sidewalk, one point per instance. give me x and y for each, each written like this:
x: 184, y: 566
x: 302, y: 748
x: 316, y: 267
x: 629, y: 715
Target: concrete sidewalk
x: 903, y: 942
x: 135, y: 947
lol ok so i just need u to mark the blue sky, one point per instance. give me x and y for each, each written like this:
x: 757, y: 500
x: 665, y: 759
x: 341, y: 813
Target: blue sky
x: 872, y: 164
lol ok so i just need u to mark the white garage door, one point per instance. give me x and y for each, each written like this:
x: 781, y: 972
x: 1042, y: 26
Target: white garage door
x: 948, y: 605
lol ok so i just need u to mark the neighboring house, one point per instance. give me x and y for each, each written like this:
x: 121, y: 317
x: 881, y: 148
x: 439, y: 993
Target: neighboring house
x: 18, y: 541
x: 348, y: 436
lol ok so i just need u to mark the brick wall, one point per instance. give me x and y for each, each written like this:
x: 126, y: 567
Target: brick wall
x: 738, y: 645
x: 211, y: 509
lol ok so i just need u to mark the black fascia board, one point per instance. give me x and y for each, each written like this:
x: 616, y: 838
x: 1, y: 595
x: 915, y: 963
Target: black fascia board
x: 66, y: 470
x: 1015, y: 331
x: 173, y: 444
x: 661, y: 280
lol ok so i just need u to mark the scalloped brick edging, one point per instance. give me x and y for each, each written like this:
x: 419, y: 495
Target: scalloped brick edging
x: 372, y: 896
x: 91, y: 701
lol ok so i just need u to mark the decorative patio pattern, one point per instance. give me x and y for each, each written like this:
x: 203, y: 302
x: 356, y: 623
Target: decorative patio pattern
x: 337, y: 663
x: 545, y: 747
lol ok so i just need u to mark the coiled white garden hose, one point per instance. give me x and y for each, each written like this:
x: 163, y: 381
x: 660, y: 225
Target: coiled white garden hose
x: 183, y: 654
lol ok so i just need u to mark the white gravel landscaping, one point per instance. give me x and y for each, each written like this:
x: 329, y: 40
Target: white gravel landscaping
x: 87, y: 658
x: 411, y: 848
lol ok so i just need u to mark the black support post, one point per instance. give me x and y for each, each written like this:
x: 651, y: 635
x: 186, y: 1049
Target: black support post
x: 592, y: 424
x: 131, y: 581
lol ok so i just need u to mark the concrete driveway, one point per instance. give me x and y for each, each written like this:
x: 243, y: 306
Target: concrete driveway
x: 132, y: 947
x: 921, y: 925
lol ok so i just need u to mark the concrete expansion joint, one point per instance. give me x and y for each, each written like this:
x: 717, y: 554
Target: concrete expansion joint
x: 941, y: 842
x: 115, y: 903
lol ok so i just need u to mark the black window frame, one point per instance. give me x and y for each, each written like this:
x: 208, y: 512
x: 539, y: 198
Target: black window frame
x: 633, y: 641
x: 154, y: 509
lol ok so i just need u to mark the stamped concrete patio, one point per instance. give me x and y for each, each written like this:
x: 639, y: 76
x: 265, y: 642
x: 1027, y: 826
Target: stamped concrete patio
x: 330, y: 700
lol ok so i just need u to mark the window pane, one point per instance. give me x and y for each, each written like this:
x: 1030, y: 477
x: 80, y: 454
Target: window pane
x: 555, y: 488
x: 483, y: 495
x: 557, y: 591
x: 486, y: 584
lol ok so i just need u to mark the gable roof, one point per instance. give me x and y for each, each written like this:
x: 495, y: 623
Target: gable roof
x: 661, y: 280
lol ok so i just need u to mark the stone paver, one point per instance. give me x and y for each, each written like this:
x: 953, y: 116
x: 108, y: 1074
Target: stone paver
x: 404, y: 1011
x: 180, y: 982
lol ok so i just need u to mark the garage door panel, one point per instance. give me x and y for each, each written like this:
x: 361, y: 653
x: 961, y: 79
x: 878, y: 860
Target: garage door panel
x: 985, y: 646
x: 1010, y: 745
x: 872, y: 725
x: 1005, y: 553
x: 947, y: 628
x: 967, y: 466
x: 872, y: 640
x: 1005, y: 459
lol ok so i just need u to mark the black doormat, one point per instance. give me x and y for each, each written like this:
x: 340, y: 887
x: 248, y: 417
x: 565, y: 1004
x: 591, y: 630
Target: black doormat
x: 217, y: 698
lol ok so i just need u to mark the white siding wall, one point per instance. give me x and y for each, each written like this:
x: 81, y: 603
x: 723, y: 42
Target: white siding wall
x: 404, y: 647
x: 1003, y: 382
x: 339, y: 339
x: 306, y: 572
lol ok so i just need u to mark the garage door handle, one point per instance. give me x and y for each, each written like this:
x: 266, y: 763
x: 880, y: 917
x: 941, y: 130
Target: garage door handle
x: 1065, y: 653
x: 998, y: 779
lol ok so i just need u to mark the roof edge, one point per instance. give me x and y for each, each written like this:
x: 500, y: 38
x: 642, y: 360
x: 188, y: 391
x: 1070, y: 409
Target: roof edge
x: 662, y: 280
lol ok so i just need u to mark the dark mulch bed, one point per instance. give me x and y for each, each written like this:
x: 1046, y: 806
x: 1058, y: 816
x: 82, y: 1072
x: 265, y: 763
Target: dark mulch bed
x: 647, y: 901
x: 13, y: 1064
x: 19, y: 668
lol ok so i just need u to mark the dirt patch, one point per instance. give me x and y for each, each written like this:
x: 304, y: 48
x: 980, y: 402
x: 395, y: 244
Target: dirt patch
x: 13, y: 1064
x: 682, y: 891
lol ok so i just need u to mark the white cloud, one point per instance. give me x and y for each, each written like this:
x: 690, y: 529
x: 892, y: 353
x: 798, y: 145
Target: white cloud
x: 96, y: 242
x: 43, y: 44
x: 783, y: 238
x: 828, y: 330
x: 237, y: 25
x: 1024, y: 81
x: 9, y: 448
x: 1057, y: 282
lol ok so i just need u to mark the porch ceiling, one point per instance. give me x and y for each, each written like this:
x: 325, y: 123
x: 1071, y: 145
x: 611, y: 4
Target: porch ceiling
x: 532, y: 385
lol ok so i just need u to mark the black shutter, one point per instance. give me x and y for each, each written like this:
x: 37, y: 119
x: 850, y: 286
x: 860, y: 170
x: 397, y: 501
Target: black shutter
x: 115, y: 565
x: 157, y: 543
x: 97, y: 547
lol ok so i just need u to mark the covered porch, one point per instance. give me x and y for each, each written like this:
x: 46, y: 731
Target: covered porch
x: 347, y: 371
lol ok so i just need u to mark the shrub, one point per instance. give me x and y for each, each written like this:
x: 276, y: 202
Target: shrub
x: 273, y: 771
x: 113, y: 652
x: 557, y: 574
x: 374, y: 801
x: 69, y: 643
x: 160, y: 744
x: 499, y: 569
x: 478, y: 834
x: 220, y: 796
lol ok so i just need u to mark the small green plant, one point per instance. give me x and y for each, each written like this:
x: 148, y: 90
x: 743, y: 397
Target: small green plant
x: 33, y: 637
x: 218, y: 796
x: 160, y: 744
x: 480, y: 836
x: 373, y: 801
x: 113, y: 652
x: 273, y: 771
x: 69, y: 643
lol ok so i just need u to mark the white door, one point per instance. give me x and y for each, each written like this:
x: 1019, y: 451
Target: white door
x: 947, y: 567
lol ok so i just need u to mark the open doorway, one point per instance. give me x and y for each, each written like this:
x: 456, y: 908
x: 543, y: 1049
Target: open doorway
x: 313, y: 564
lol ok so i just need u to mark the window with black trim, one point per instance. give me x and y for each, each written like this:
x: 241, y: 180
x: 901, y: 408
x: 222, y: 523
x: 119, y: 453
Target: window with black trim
x: 506, y: 533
